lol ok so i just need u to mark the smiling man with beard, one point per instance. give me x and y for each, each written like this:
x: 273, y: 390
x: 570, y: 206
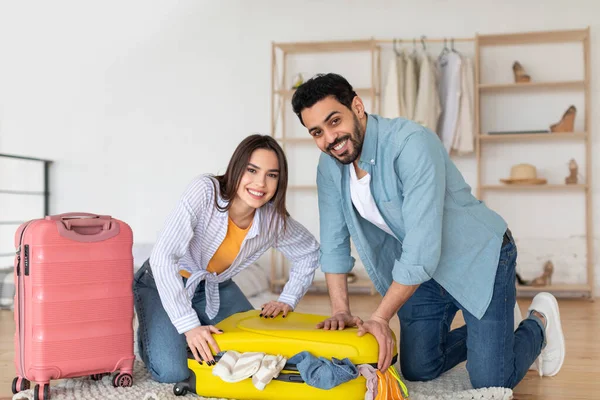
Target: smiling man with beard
x: 430, y: 247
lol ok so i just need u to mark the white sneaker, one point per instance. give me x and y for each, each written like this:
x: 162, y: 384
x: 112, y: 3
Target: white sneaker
x: 552, y: 357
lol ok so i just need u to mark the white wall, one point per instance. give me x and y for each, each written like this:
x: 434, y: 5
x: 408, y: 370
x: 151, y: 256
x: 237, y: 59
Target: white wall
x: 132, y: 99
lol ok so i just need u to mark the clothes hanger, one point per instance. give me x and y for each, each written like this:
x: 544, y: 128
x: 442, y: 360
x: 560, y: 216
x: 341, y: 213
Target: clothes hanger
x: 462, y: 56
x: 445, y: 49
x: 442, y: 58
x: 452, y: 47
x: 398, y: 52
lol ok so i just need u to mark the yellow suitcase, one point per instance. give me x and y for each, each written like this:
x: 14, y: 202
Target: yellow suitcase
x: 288, y: 336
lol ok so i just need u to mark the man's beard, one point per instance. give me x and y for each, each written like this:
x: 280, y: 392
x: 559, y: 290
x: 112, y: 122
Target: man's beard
x: 355, y: 139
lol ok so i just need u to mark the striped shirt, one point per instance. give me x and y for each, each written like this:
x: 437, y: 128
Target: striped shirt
x: 192, y: 234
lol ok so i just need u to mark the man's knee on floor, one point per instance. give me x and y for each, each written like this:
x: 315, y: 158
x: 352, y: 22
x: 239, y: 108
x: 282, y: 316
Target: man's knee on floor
x: 483, y: 379
x: 169, y: 373
x: 419, y: 371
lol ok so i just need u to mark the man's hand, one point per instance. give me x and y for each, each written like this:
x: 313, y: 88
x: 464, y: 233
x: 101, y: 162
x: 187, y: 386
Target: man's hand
x: 199, y: 339
x: 273, y: 308
x: 380, y: 328
x: 339, y: 321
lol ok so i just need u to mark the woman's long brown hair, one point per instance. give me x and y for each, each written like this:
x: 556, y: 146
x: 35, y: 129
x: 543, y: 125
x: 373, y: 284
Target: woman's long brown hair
x: 230, y: 180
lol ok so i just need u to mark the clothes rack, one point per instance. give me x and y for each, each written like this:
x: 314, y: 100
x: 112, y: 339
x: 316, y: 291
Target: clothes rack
x: 426, y: 40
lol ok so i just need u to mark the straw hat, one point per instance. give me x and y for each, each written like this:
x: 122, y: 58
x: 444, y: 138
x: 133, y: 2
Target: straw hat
x: 524, y: 174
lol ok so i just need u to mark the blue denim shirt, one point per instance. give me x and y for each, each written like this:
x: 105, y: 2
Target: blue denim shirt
x: 442, y: 231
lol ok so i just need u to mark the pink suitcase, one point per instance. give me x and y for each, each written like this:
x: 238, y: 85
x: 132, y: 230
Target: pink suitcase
x: 74, y: 300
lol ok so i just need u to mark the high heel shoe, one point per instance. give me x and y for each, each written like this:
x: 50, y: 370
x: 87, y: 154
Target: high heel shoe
x: 567, y: 122
x: 519, y: 72
x: 546, y: 278
x: 521, y: 281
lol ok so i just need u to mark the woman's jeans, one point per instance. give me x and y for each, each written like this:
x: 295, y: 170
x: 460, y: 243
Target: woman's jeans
x: 163, y: 350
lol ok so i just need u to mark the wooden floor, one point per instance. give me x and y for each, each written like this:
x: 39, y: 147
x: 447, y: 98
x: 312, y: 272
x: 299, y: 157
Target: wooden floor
x: 578, y: 379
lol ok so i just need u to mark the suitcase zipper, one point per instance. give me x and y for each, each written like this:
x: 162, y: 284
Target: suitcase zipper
x: 26, y: 261
x: 22, y: 299
x: 18, y: 263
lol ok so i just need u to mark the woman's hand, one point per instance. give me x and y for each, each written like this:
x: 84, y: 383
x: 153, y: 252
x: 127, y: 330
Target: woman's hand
x: 273, y: 308
x: 199, y: 339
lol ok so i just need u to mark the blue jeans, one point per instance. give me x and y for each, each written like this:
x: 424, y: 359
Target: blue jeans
x: 496, y: 355
x: 163, y: 350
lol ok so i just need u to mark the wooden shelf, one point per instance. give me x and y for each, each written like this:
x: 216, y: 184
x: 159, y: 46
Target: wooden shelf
x: 581, y: 85
x: 487, y: 87
x: 333, y: 46
x: 360, y: 283
x: 363, y: 92
x: 296, y: 140
x: 369, y: 51
x: 556, y: 288
x: 534, y: 187
x: 302, y: 187
x: 533, y: 37
x: 484, y: 137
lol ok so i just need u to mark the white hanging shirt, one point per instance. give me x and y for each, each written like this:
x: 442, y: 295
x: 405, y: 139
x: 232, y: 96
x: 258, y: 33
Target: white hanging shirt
x: 450, y: 91
x: 428, y: 109
x: 360, y: 192
x: 464, y: 137
x: 393, y: 102
x: 410, y: 85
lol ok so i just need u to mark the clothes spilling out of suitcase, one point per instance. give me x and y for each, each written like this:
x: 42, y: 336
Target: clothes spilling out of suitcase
x: 337, y: 364
x: 74, y: 311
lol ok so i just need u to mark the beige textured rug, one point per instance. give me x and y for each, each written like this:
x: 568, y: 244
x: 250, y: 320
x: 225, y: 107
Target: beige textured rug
x: 452, y: 385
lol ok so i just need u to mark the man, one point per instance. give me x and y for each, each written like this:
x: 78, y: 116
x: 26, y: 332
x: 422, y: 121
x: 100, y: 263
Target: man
x: 430, y: 247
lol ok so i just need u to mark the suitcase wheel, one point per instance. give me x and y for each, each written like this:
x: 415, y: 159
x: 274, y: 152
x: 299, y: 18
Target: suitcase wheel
x: 41, y: 392
x: 19, y: 384
x: 122, y: 380
x: 181, y: 388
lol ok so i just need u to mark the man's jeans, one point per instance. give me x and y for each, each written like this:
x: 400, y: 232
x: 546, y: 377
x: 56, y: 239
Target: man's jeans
x: 163, y: 350
x: 496, y: 354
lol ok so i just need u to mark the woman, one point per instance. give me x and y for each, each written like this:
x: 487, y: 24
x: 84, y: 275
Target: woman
x: 220, y: 225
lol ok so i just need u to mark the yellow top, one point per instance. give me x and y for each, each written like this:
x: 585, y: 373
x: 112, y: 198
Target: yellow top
x: 227, y: 251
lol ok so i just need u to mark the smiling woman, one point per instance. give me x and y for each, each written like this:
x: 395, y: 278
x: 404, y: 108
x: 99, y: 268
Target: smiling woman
x: 221, y: 225
x: 257, y: 174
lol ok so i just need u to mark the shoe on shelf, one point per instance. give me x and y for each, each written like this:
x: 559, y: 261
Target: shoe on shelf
x: 546, y: 278
x: 567, y: 121
x: 519, y: 72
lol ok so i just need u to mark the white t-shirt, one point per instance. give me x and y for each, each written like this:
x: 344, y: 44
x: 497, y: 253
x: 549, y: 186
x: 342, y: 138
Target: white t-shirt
x: 360, y: 191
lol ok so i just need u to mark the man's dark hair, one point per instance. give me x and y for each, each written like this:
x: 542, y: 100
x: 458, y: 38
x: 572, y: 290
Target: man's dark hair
x: 319, y: 87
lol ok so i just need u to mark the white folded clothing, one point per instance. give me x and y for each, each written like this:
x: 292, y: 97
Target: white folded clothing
x: 270, y: 367
x: 235, y: 367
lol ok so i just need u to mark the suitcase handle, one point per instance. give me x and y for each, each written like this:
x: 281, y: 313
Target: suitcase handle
x: 85, y: 227
x: 87, y: 223
x: 73, y: 215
